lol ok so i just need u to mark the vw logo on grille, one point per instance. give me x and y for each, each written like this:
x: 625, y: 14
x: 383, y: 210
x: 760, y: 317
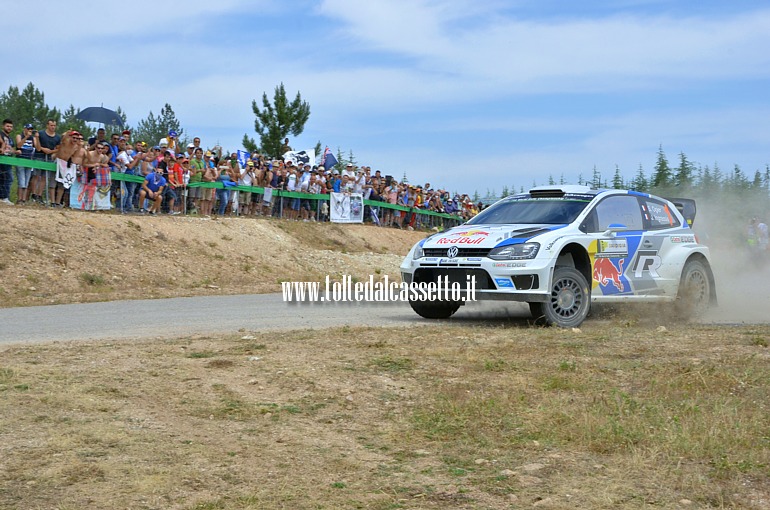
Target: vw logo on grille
x: 452, y: 252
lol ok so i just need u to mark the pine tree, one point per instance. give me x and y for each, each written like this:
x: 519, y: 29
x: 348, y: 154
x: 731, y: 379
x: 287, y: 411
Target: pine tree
x: 341, y: 163
x: 27, y: 106
x: 69, y: 122
x: 275, y: 121
x: 719, y: 181
x: 596, y: 179
x: 640, y: 182
x: 684, y: 172
x: 707, y: 183
x: 152, y: 129
x: 661, y: 177
x: 617, y: 180
x: 739, y: 181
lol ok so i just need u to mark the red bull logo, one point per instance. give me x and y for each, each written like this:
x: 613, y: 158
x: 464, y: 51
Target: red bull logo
x: 469, y: 233
x: 466, y: 237
x: 606, y: 272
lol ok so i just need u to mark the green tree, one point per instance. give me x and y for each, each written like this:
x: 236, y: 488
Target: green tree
x: 152, y: 128
x: 27, y: 106
x: 684, y: 172
x: 617, y: 179
x: 661, y: 177
x: 341, y: 164
x: 738, y: 182
x: 505, y: 192
x: 69, y: 122
x: 707, y: 182
x: 250, y: 144
x: 718, y: 177
x: 596, y: 179
x: 640, y: 182
x: 275, y: 121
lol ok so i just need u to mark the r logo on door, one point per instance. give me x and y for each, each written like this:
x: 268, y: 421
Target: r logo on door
x: 647, y: 260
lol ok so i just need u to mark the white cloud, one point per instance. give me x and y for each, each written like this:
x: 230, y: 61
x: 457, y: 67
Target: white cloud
x: 543, y: 56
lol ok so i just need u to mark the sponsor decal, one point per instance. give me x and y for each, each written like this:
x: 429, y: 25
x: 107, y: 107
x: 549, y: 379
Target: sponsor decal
x: 605, y: 272
x: 474, y: 259
x: 504, y: 283
x: 464, y: 237
x: 548, y: 248
x: 509, y: 264
x: 659, y: 214
x: 649, y: 261
x: 431, y: 259
x: 612, y: 248
x: 683, y: 239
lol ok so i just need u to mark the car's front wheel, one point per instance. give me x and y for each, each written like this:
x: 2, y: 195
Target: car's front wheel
x: 694, y: 294
x: 569, y: 301
x: 434, y: 309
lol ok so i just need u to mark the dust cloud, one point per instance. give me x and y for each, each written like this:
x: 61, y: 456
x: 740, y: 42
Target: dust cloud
x: 742, y: 276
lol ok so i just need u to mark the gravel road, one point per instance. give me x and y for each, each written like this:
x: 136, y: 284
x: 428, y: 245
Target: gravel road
x: 166, y: 318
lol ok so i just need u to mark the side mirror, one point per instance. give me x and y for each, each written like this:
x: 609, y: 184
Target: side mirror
x: 614, y: 228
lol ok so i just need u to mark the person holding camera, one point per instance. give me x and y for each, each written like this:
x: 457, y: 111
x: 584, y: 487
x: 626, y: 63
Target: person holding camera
x: 26, y: 143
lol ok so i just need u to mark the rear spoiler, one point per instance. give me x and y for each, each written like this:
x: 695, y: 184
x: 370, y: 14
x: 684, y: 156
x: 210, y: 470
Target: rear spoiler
x: 686, y: 206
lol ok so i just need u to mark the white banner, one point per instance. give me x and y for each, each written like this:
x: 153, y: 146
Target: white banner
x: 347, y: 208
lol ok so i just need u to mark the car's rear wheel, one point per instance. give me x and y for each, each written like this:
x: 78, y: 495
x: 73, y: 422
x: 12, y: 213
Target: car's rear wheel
x: 434, y: 309
x: 569, y: 302
x: 694, y: 290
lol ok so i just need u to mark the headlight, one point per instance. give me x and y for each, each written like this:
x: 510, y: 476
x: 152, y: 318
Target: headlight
x: 417, y: 253
x: 515, y: 252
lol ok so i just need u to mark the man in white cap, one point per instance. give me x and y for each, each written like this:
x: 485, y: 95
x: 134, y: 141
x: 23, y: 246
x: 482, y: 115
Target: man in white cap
x: 350, y: 171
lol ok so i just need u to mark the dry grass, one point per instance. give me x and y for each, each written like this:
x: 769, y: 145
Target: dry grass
x: 65, y: 256
x: 618, y: 415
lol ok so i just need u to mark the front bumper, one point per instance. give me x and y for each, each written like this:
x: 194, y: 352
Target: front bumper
x: 515, y: 280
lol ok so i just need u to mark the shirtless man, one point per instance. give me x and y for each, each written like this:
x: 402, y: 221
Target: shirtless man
x: 69, y: 155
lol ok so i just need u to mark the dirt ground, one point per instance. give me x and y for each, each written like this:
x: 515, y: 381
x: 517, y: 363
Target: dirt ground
x: 64, y: 256
x: 619, y: 414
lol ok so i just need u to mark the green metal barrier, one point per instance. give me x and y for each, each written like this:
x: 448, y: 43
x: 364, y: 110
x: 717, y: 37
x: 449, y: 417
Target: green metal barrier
x: 117, y: 176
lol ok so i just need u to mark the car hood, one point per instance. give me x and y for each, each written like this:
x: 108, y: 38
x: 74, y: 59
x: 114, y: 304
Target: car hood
x: 487, y: 236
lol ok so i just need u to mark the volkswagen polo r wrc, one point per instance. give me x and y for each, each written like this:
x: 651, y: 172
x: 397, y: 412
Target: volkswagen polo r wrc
x: 562, y: 248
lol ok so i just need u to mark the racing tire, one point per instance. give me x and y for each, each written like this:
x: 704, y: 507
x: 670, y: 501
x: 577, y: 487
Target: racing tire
x: 433, y: 309
x: 694, y: 296
x: 536, y: 309
x: 569, y: 302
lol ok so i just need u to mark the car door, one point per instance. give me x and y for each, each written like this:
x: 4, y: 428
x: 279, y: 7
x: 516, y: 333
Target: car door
x: 611, y: 253
x: 647, y: 272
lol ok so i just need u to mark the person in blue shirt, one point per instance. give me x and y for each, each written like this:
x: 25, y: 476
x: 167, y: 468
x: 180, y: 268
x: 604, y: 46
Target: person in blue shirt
x: 152, y: 189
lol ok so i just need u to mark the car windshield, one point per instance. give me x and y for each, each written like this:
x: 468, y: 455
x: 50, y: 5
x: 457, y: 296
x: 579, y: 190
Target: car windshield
x: 551, y: 211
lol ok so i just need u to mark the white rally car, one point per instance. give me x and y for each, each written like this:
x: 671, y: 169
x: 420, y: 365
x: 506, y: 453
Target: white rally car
x: 562, y: 248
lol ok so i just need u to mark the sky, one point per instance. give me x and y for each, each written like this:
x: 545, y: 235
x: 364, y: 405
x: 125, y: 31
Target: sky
x: 467, y: 95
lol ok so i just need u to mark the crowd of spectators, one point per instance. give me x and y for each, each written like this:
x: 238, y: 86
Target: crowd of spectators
x: 168, y: 170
